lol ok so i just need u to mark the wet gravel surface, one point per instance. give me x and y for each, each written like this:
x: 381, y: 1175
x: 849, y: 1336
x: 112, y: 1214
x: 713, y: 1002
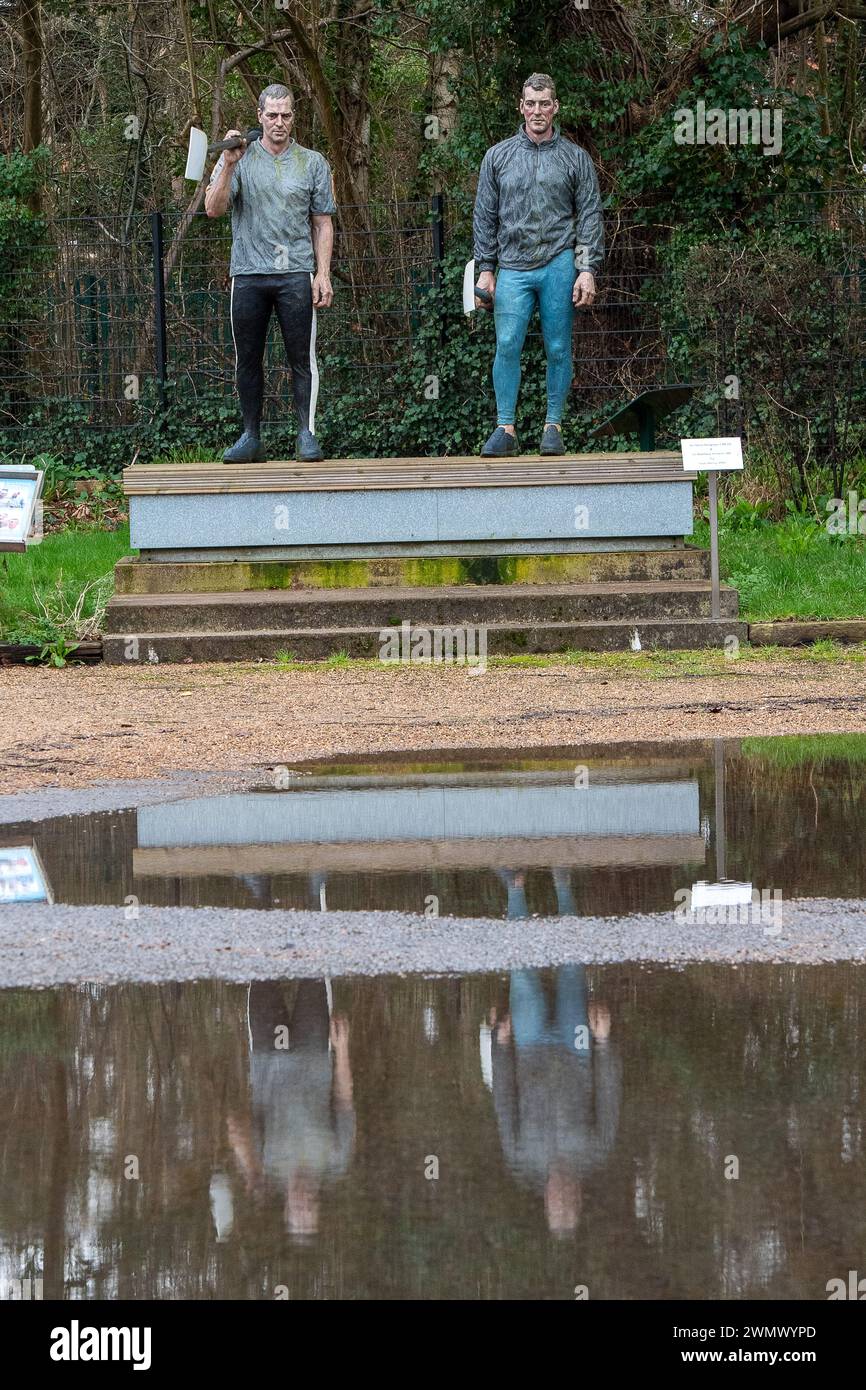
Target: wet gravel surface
x: 43, y: 803
x: 44, y: 946
x: 87, y: 724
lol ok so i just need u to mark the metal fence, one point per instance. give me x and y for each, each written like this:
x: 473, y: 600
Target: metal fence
x: 113, y: 309
x: 107, y: 313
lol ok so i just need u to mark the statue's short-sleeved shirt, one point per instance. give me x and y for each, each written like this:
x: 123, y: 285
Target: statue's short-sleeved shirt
x: 272, y: 198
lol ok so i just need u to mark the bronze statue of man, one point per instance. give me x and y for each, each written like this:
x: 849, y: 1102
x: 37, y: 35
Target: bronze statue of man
x: 282, y: 202
x: 538, y: 220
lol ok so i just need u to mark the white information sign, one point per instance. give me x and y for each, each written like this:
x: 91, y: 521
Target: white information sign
x: 22, y: 877
x: 712, y: 455
x: 20, y: 489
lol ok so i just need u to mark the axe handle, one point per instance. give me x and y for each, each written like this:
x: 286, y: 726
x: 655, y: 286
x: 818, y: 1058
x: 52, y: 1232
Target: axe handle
x: 235, y: 142
x: 232, y: 144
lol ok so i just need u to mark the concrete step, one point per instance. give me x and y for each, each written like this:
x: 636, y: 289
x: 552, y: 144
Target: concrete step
x: 139, y: 576
x: 502, y: 639
x: 512, y: 605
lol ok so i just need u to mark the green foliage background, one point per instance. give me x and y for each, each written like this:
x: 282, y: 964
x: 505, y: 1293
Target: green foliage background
x: 708, y: 209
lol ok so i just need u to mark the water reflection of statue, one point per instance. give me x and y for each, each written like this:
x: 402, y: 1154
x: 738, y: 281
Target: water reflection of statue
x: 514, y: 883
x: 302, y: 1129
x: 557, y: 1082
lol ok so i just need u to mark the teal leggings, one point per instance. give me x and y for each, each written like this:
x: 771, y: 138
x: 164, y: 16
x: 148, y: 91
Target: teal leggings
x: 516, y: 294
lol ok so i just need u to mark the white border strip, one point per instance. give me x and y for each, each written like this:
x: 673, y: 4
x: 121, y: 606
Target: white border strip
x: 232, y: 322
x: 314, y: 372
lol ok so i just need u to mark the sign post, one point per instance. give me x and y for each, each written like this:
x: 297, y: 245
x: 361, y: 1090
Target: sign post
x: 713, y: 456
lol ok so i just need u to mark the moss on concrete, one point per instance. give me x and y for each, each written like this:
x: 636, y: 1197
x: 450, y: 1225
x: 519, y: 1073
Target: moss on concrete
x: 239, y: 576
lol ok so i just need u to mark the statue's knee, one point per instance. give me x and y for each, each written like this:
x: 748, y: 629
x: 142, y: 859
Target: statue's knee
x: 508, y: 341
x: 557, y: 352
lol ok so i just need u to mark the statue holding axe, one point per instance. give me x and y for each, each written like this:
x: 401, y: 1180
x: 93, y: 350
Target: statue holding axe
x: 282, y: 204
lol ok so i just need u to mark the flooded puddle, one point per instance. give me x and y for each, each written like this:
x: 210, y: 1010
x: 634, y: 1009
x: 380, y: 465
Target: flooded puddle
x: 597, y: 834
x: 616, y: 1131
x: 641, y: 1133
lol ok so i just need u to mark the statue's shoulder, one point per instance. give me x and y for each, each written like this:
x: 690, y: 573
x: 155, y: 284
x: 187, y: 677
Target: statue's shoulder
x: 572, y: 150
x: 312, y: 159
x: 498, y: 154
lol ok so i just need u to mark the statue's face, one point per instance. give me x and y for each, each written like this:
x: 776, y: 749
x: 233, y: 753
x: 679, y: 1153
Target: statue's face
x: 538, y: 110
x: 277, y: 120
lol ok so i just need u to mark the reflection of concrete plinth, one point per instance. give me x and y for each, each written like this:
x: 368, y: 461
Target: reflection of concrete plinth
x: 246, y: 561
x: 428, y: 822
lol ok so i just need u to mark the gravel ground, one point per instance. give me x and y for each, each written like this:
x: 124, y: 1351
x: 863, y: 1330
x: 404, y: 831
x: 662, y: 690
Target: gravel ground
x: 43, y: 803
x: 85, y: 724
x: 42, y: 946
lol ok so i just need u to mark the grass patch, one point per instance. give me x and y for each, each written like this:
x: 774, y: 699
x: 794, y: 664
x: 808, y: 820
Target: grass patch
x: 339, y: 659
x: 60, y: 585
x: 651, y: 665
x: 789, y: 569
x: 203, y: 454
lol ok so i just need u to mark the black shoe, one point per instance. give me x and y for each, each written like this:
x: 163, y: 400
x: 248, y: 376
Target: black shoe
x: 551, y: 441
x: 500, y: 445
x: 248, y: 449
x: 307, y: 448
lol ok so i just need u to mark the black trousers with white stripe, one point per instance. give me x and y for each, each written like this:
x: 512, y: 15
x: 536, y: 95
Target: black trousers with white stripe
x: 253, y: 299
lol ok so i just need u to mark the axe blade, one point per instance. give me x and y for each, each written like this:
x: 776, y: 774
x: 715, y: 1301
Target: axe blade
x: 469, y: 288
x: 197, y: 155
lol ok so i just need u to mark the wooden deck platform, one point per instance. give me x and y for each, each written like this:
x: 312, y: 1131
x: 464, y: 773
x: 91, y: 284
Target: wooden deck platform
x: 337, y: 475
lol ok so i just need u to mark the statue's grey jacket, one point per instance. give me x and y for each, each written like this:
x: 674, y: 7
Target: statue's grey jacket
x: 533, y: 202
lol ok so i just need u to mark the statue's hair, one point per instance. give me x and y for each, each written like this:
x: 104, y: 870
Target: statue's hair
x: 538, y: 81
x: 277, y: 92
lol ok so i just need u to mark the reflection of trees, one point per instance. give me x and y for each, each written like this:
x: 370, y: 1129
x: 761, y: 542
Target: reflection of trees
x: 762, y: 1062
x: 765, y: 1063
x: 799, y: 826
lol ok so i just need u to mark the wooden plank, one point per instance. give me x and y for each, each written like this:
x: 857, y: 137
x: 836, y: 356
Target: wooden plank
x: 18, y: 654
x: 386, y: 474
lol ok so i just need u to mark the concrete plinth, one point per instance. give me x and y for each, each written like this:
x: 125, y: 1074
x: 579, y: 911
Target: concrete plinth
x: 545, y: 555
x: 408, y: 502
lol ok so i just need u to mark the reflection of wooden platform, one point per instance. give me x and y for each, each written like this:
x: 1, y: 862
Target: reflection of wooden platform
x: 413, y: 855
x: 335, y: 475
x: 542, y: 810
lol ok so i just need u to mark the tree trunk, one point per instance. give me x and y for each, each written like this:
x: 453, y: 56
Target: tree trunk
x: 352, y: 58
x: 31, y: 44
x: 445, y: 68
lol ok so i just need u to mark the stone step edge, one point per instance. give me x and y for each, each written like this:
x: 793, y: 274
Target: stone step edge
x: 281, y: 634
x: 367, y: 644
x: 391, y: 594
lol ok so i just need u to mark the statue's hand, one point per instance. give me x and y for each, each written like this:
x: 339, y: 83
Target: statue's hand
x: 232, y: 156
x: 487, y: 281
x: 323, y: 294
x: 599, y: 1021
x: 584, y: 289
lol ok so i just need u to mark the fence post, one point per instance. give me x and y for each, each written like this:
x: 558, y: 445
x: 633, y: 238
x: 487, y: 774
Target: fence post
x: 437, y: 210
x: 158, y: 303
x: 437, y: 214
